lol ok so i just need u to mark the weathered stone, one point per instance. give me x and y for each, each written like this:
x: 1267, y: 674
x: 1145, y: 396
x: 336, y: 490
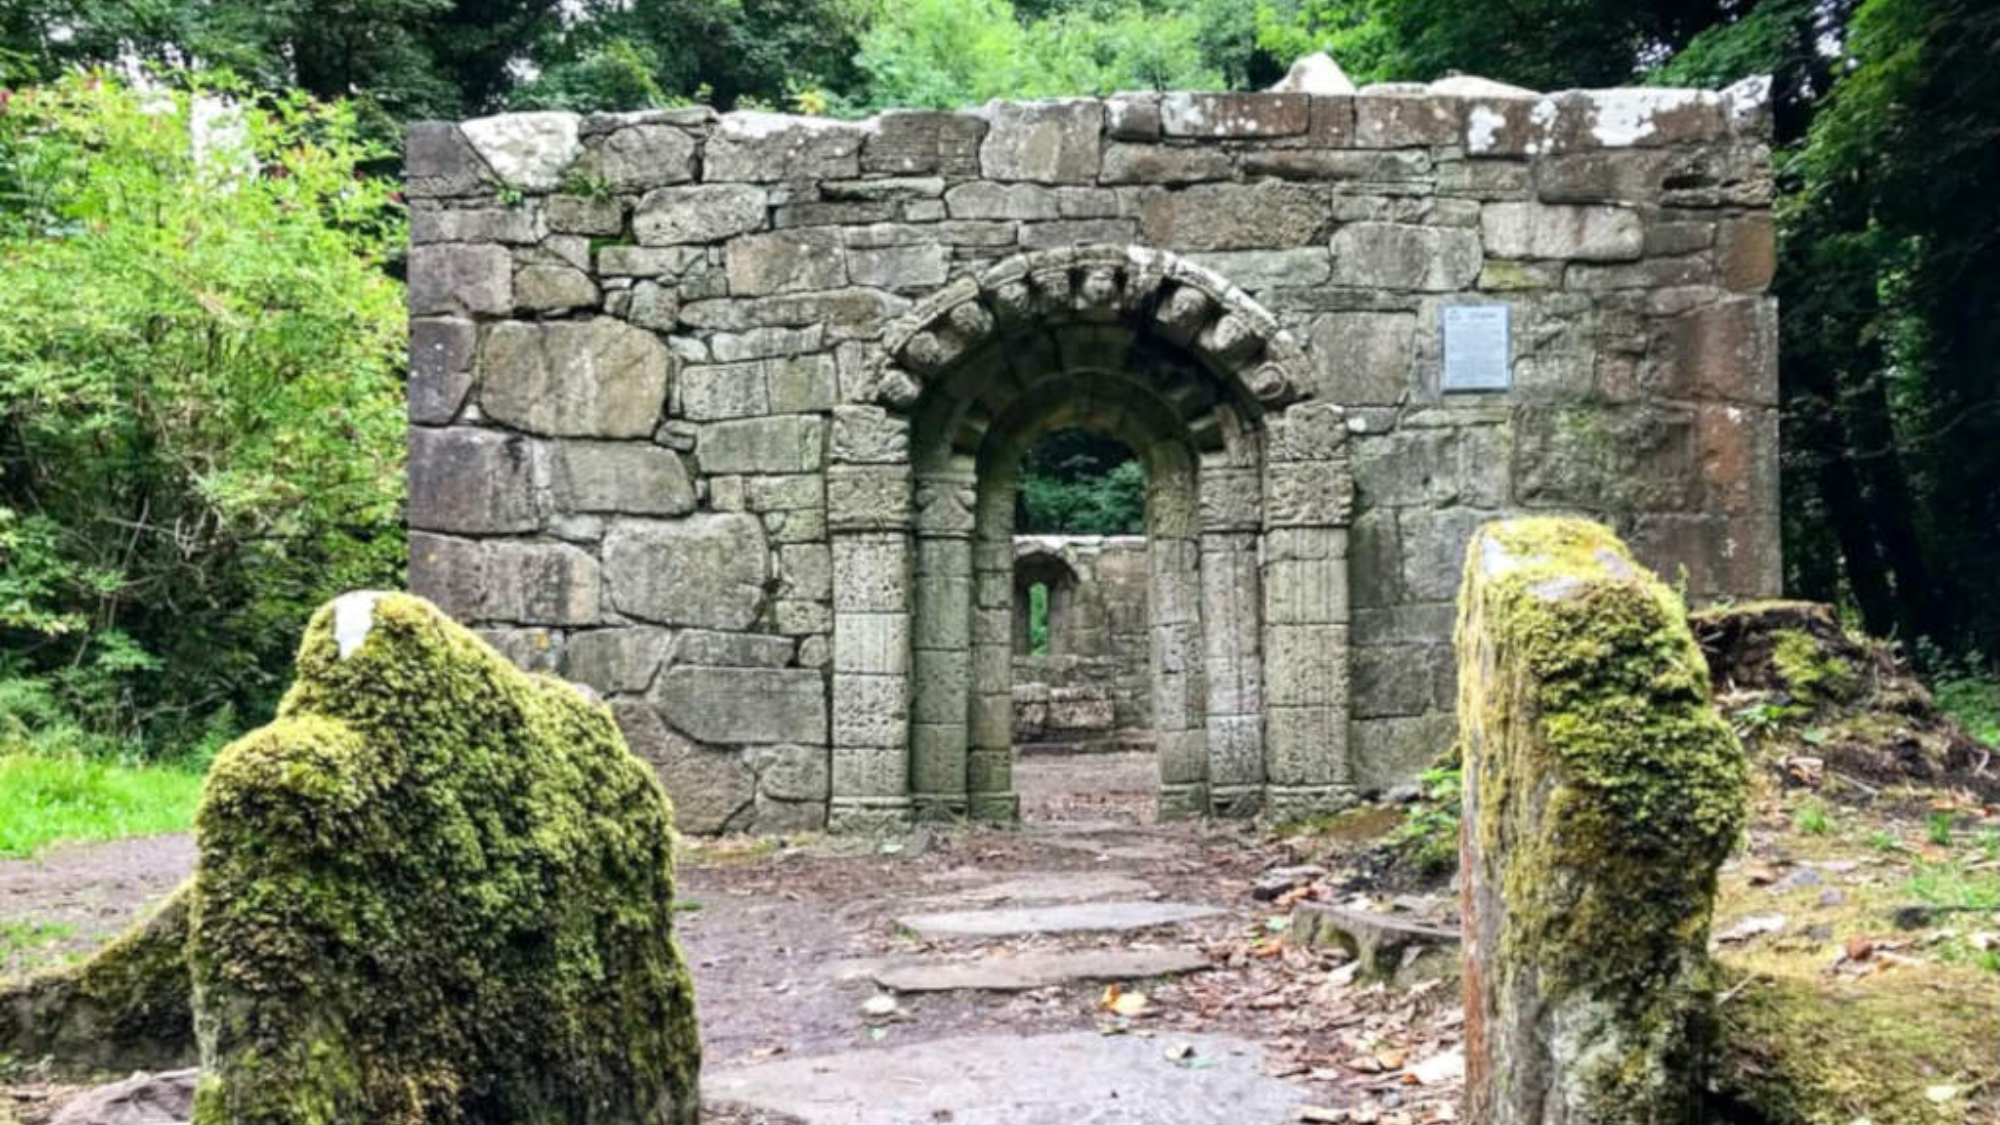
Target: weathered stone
x: 1395, y: 256
x: 556, y: 946
x: 475, y: 481
x: 698, y: 213
x: 514, y: 225
x: 584, y: 214
x: 1364, y: 357
x: 552, y: 288
x: 587, y: 378
x: 616, y: 660
x: 1532, y: 230
x: 1596, y: 1016
x: 1055, y: 142
x: 735, y: 706
x: 917, y: 268
x: 768, y: 147
x: 1028, y: 971
x: 143, y: 1099
x: 786, y: 261
x: 1025, y: 921
x: 528, y: 151
x: 1267, y: 269
x: 638, y: 158
x: 1397, y: 120
x: 1746, y: 253
x: 1234, y: 115
x: 906, y: 143
x: 706, y: 571
x: 1234, y: 216
x: 1163, y: 164
x: 712, y: 789
x: 633, y: 477
x: 790, y: 444
x: 441, y: 353
x: 461, y: 278
x: 439, y: 161
x: 1383, y: 944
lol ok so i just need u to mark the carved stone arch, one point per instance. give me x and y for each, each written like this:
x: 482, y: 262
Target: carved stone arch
x: 1155, y: 292
x: 1244, y: 558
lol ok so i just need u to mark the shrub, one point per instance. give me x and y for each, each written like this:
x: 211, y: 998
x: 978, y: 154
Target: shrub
x: 201, y: 425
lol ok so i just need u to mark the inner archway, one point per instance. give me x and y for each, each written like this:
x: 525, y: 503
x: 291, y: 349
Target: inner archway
x: 1246, y: 501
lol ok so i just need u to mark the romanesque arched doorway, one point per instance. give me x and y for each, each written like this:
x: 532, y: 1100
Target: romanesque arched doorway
x: 1247, y: 506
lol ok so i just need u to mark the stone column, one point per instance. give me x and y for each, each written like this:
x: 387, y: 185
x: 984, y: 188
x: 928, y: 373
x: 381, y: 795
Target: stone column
x: 942, y: 679
x: 1308, y: 499
x: 1602, y: 792
x: 868, y: 493
x: 1173, y: 562
x: 1231, y: 512
x: 990, y: 759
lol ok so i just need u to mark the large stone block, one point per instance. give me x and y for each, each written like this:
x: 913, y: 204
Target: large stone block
x: 586, y: 378
x: 768, y: 147
x: 475, y: 481
x: 906, y: 143
x: 806, y: 258
x: 1602, y: 792
x: 441, y: 352
x: 439, y: 161
x: 638, y: 157
x: 1364, y: 358
x: 707, y: 571
x: 1165, y: 164
x: 457, y: 279
x: 871, y: 710
x: 698, y: 213
x: 496, y: 581
x: 616, y: 660
x: 871, y: 573
x: 1398, y: 256
x: 384, y: 807
x: 793, y: 443
x: 712, y: 789
x: 1252, y: 216
x: 737, y: 706
x: 527, y: 151
x: 1581, y: 233
x: 1606, y: 458
x: 1057, y: 142
x: 1234, y: 115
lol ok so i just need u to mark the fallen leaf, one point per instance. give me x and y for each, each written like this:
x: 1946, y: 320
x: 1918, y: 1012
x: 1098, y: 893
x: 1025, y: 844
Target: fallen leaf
x: 880, y: 1004
x: 1752, y: 926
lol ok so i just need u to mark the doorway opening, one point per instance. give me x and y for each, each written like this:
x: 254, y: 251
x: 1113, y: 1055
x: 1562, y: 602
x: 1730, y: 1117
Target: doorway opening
x: 1082, y: 662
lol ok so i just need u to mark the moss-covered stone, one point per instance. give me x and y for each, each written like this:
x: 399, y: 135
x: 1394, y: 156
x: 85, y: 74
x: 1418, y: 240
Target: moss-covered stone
x: 1602, y: 793
x: 125, y: 1008
x: 435, y: 889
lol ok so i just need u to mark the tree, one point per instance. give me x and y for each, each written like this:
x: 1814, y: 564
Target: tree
x: 201, y: 424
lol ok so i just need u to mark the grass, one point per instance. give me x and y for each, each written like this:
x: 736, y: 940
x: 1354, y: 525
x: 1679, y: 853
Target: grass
x: 27, y: 945
x: 46, y: 799
x: 1973, y: 700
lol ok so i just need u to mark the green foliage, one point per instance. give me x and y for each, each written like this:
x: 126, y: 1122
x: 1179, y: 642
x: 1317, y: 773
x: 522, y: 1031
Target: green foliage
x: 201, y: 427
x: 1038, y: 619
x: 617, y: 75
x: 1428, y: 837
x: 951, y: 53
x: 45, y: 799
x: 1812, y: 817
x: 1972, y: 699
x: 1076, y: 483
x: 436, y: 889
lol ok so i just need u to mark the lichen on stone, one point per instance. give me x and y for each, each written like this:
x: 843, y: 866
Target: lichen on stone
x: 1603, y: 792
x: 436, y: 889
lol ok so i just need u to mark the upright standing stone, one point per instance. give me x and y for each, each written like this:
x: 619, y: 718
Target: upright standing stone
x: 1602, y: 791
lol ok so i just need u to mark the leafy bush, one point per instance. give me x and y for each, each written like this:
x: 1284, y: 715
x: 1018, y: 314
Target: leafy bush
x: 1076, y: 483
x: 201, y: 426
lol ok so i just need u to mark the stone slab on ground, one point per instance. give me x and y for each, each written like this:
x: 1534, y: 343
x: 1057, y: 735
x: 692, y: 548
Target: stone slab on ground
x: 1051, y: 886
x: 997, y: 973
x: 1104, y: 849
x: 1024, y: 921
x: 1077, y: 1076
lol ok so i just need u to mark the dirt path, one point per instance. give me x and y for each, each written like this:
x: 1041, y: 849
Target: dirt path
x: 787, y: 945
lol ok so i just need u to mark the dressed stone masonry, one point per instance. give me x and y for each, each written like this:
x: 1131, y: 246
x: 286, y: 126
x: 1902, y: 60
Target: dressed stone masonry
x: 721, y: 415
x: 1090, y: 690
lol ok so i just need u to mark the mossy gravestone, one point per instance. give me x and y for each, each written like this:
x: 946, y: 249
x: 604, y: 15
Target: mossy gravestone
x: 1602, y: 792
x: 434, y: 889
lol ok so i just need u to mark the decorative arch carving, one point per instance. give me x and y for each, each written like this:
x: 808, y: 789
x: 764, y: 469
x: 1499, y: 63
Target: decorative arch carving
x: 1160, y: 294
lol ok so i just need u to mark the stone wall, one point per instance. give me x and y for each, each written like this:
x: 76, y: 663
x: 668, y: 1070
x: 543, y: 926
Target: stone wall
x: 715, y: 413
x: 1091, y: 689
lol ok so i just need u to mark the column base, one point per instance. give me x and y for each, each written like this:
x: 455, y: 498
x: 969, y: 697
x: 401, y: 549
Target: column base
x: 1289, y: 802
x: 938, y: 807
x: 1187, y: 800
x: 868, y: 816
x: 1239, y: 801
x: 995, y: 808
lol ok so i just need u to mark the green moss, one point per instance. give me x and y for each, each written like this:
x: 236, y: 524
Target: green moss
x: 1892, y: 1051
x: 1615, y: 882
x: 1811, y: 674
x: 125, y: 1008
x: 436, y: 889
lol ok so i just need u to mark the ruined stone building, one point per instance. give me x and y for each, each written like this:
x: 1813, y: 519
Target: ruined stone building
x: 721, y: 415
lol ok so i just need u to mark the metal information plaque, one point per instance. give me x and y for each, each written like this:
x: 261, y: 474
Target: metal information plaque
x: 1476, y: 348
